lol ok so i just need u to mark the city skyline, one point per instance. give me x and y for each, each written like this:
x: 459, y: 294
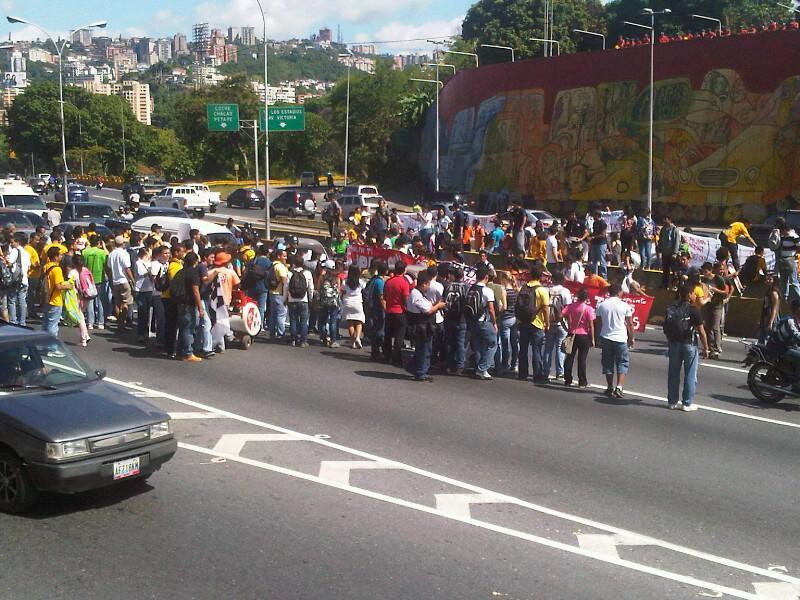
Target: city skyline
x: 368, y: 21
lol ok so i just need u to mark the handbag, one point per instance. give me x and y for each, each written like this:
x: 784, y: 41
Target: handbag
x: 569, y: 342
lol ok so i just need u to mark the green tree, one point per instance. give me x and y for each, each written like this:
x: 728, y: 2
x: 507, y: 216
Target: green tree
x: 513, y: 22
x: 414, y: 106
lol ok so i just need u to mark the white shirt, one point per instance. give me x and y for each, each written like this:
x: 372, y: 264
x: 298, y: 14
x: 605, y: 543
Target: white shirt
x: 612, y: 313
x: 443, y: 223
x: 560, y: 290
x: 143, y: 283
x: 19, y: 257
x: 157, y: 269
x: 54, y: 217
x: 488, y: 296
x: 435, y: 294
x: 551, y: 249
x: 417, y: 303
x: 133, y: 197
x: 309, y: 286
x: 575, y: 273
x: 118, y: 261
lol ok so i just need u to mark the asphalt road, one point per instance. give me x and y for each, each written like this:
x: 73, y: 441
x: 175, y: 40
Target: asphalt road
x: 316, y: 473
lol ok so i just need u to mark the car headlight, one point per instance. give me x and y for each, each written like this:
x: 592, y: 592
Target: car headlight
x: 160, y: 429
x: 65, y: 450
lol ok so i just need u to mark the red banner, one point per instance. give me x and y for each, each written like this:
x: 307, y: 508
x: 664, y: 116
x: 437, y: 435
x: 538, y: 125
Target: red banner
x: 642, y: 305
x: 363, y: 255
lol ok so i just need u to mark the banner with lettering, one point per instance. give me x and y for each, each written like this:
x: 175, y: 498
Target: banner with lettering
x: 363, y: 255
x: 704, y: 249
x: 642, y: 305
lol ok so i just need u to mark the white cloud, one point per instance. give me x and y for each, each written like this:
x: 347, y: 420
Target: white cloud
x: 289, y: 18
x: 402, y: 31
x: 29, y: 32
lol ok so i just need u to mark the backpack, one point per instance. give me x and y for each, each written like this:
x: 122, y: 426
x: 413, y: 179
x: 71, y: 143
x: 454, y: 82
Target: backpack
x: 454, y: 299
x: 368, y: 294
x: 474, y: 306
x: 88, y: 288
x: 43, y: 290
x: 272, y: 279
x: 298, y: 286
x: 527, y: 305
x: 6, y: 277
x: 329, y: 297
x: 177, y: 286
x: 678, y: 323
x: 557, y: 305
x: 161, y: 283
x: 16, y: 274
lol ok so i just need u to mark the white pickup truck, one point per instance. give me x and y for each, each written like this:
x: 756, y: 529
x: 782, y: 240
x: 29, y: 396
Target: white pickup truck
x: 202, y: 189
x: 183, y: 197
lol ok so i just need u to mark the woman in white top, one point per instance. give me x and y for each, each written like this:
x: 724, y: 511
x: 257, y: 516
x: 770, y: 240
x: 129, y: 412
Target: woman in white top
x: 574, y: 272
x: 353, y: 305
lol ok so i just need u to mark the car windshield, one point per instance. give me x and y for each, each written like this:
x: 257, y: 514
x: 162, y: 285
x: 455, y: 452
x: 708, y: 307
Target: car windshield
x: 221, y: 239
x: 39, y: 364
x: 93, y: 212
x: 26, y: 201
x: 369, y: 190
x: 17, y: 219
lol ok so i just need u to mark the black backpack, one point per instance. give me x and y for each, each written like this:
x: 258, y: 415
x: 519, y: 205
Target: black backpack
x: 368, y: 296
x: 298, y: 286
x: 272, y: 279
x: 556, y: 308
x: 177, y: 286
x: 6, y: 277
x: 678, y: 323
x: 454, y: 299
x: 161, y: 282
x: 474, y: 306
x: 527, y: 307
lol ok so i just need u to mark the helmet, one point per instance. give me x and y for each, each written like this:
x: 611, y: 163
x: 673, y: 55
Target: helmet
x: 292, y: 240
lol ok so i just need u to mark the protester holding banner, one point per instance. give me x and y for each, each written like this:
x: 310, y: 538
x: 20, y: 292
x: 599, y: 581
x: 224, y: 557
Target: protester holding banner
x: 730, y: 238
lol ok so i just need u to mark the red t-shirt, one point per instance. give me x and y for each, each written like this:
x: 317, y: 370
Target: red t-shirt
x: 396, y: 292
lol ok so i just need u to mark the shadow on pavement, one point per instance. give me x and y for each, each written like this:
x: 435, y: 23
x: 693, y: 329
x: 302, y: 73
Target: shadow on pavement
x: 55, y: 505
x: 384, y: 375
x: 784, y: 406
x: 627, y: 401
x: 347, y: 356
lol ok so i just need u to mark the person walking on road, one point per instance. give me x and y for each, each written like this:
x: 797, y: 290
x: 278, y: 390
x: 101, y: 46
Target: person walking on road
x: 533, y: 318
x: 421, y: 315
x: 786, y: 244
x: 560, y: 298
x: 579, y: 317
x: 353, y: 305
x: 669, y: 241
x: 395, y: 294
x: 683, y: 326
x: 190, y: 308
x: 479, y: 308
x: 276, y: 283
x: 616, y: 339
x: 298, y: 298
x: 713, y: 309
x: 54, y: 285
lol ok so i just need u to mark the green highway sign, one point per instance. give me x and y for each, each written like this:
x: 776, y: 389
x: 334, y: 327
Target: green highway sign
x: 284, y: 118
x: 223, y: 117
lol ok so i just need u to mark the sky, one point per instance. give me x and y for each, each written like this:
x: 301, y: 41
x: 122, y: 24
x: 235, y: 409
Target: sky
x: 360, y: 20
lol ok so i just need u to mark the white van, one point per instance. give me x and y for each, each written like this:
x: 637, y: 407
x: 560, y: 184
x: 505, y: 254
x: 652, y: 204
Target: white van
x: 22, y: 197
x: 177, y: 226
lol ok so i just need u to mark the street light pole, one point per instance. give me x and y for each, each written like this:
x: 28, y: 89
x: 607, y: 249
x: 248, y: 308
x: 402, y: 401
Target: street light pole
x: 546, y: 43
x: 500, y: 48
x: 475, y: 56
x: 267, y: 216
x: 122, y: 120
x: 600, y: 35
x: 349, y: 56
x: 80, y: 139
x: 717, y: 21
x: 787, y: 6
x: 438, y: 87
x: 59, y: 52
x: 652, y: 28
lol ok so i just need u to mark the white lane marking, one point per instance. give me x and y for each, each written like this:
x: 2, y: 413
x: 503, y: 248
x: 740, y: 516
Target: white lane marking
x: 233, y: 443
x: 724, y: 339
x: 193, y: 415
x: 458, y: 504
x: 777, y: 591
x: 724, y: 368
x: 650, y: 541
x: 607, y: 544
x: 338, y: 471
x: 699, y: 583
x: 714, y: 409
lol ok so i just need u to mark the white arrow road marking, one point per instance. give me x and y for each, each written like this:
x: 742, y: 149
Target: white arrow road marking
x: 457, y: 505
x: 603, y: 543
x: 338, y: 471
x: 773, y: 590
x: 233, y: 443
x: 194, y: 415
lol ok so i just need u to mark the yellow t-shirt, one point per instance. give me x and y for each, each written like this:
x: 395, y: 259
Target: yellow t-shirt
x: 62, y: 247
x: 542, y: 303
x: 174, y: 266
x: 281, y: 272
x: 736, y: 230
x: 36, y: 263
x: 538, y: 248
x: 55, y: 276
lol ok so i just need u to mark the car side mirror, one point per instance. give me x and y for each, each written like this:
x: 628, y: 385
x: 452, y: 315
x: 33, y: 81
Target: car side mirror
x: 101, y: 373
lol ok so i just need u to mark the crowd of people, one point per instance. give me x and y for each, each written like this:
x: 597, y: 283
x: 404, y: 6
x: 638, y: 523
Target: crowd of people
x: 706, y: 34
x: 534, y: 317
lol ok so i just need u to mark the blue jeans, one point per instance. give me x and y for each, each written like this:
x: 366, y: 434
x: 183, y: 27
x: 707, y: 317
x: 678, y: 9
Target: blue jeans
x: 187, y: 325
x: 277, y: 316
x: 104, y: 294
x: 18, y: 305
x: 507, y: 345
x: 530, y: 336
x: 378, y: 327
x: 262, y: 299
x: 552, y: 349
x: 204, y: 330
x: 645, y: 252
x: 298, y: 321
x: 144, y: 302
x: 686, y: 356
x: 455, y: 334
x: 597, y: 259
x: 329, y: 323
x: 790, y: 286
x: 50, y: 319
x: 422, y: 355
x: 484, y: 344
x: 614, y: 357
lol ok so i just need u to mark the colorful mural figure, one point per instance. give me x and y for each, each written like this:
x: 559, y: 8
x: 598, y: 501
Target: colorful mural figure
x: 720, y: 150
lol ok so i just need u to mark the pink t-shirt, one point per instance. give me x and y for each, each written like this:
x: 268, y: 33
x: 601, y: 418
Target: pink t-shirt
x: 578, y: 316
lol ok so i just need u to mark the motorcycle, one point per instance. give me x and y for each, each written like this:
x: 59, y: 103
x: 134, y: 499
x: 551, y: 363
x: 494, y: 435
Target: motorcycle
x: 770, y: 378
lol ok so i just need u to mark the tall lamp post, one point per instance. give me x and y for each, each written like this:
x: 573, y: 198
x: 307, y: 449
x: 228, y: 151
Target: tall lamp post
x: 439, y: 85
x: 584, y: 32
x: 500, y: 48
x: 349, y: 57
x: 787, y: 6
x: 717, y: 21
x: 59, y: 52
x: 548, y: 43
x: 472, y: 54
x: 652, y: 28
x: 267, y: 216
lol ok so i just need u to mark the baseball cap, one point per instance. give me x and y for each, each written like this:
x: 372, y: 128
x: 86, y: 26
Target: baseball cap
x: 329, y: 264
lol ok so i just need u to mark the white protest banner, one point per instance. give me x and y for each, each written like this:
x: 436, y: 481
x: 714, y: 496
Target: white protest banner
x: 704, y: 249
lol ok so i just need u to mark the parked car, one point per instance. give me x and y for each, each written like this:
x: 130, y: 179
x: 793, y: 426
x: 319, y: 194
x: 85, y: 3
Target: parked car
x: 22, y: 198
x: 157, y: 211
x: 350, y: 203
x: 63, y: 429
x: 309, y: 179
x: 203, y: 190
x: 75, y: 193
x: 84, y: 213
x: 175, y: 226
x: 103, y: 231
x: 246, y: 198
x: 38, y: 185
x: 20, y: 220
x: 366, y: 191
x: 292, y: 203
x: 183, y: 197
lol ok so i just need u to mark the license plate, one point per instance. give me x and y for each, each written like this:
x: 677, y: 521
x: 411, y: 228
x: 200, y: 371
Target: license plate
x: 126, y: 468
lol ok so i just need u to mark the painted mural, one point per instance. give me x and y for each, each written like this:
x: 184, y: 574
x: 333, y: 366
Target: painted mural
x: 720, y: 151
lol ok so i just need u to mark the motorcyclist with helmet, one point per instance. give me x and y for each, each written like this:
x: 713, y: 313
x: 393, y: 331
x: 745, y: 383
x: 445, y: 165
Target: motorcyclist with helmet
x: 785, y: 341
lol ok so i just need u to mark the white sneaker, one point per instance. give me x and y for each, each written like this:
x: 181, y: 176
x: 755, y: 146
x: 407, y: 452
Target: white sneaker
x: 673, y: 406
x: 688, y: 407
x: 100, y: 326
